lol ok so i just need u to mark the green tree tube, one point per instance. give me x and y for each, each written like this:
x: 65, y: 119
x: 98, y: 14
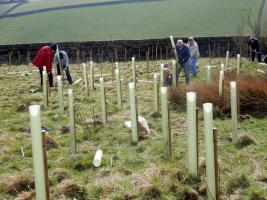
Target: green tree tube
x: 192, y: 133
x: 60, y: 94
x: 37, y: 153
x: 209, y: 149
x: 165, y: 122
x: 233, y: 92
x: 118, y: 87
x: 72, y: 122
x: 134, y: 115
x: 45, y: 89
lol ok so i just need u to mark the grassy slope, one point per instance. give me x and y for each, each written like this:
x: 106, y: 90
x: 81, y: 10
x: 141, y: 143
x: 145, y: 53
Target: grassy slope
x: 125, y: 21
x: 134, y: 167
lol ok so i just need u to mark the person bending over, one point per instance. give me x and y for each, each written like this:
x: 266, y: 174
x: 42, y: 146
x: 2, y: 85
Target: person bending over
x: 44, y: 58
x: 62, y: 61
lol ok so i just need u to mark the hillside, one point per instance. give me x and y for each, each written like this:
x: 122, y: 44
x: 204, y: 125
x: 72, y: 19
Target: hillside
x: 98, y: 20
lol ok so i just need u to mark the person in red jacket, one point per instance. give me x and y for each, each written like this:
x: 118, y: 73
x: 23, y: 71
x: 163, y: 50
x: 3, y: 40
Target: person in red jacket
x: 43, y: 58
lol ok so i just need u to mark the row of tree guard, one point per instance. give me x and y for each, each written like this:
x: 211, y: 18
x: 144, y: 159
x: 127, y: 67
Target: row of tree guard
x: 212, y: 168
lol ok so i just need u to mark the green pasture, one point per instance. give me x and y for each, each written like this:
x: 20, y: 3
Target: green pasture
x: 135, y: 172
x: 127, y: 20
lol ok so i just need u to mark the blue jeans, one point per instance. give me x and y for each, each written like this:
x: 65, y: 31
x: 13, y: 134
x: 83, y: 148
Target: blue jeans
x: 194, y: 65
x: 186, y: 67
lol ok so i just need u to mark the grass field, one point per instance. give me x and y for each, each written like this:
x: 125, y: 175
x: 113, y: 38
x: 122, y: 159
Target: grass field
x: 118, y: 19
x: 137, y: 172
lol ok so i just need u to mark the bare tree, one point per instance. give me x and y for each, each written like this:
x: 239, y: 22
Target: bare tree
x: 254, y: 18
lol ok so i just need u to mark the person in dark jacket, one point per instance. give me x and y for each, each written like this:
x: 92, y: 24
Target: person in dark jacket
x: 44, y: 58
x: 167, y: 75
x: 254, y: 48
x: 61, y: 60
x: 183, y: 59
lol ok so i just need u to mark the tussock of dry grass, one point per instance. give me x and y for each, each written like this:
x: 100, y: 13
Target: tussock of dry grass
x: 252, y: 95
x: 60, y: 174
x: 244, y: 140
x: 17, y: 183
x: 26, y: 196
x: 69, y: 188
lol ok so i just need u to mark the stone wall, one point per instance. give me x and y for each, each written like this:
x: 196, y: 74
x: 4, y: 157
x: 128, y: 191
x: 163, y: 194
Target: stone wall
x: 122, y: 50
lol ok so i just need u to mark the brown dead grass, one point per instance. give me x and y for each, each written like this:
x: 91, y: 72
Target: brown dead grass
x: 252, y: 95
x: 16, y: 183
x: 70, y: 188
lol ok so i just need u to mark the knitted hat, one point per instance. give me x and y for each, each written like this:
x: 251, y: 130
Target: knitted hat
x: 54, y: 46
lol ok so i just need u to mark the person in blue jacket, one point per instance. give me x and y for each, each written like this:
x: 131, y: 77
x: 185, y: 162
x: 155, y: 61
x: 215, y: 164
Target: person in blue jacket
x: 183, y: 59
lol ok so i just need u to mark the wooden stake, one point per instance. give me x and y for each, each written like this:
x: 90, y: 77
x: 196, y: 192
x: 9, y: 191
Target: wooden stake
x: 148, y: 53
x: 152, y: 53
x: 85, y: 79
x: 116, y: 55
x: 214, y: 49
x: 238, y: 64
x: 174, y: 82
x: 44, y: 139
x: 197, y: 138
x: 219, y: 50
x: 160, y: 54
x: 10, y: 58
x: 166, y: 52
x: 125, y: 54
x: 83, y: 56
x: 147, y: 68
x: 92, y: 79
x: 118, y: 86
x: 19, y: 57
x: 103, y: 101
x: 156, y: 52
x: 209, y: 55
x: 216, y: 163
x: 91, y: 55
x: 99, y: 59
x: 156, y: 93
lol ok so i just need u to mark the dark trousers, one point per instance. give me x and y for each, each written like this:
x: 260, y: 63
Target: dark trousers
x: 254, y: 54
x: 67, y: 72
x: 50, y: 77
